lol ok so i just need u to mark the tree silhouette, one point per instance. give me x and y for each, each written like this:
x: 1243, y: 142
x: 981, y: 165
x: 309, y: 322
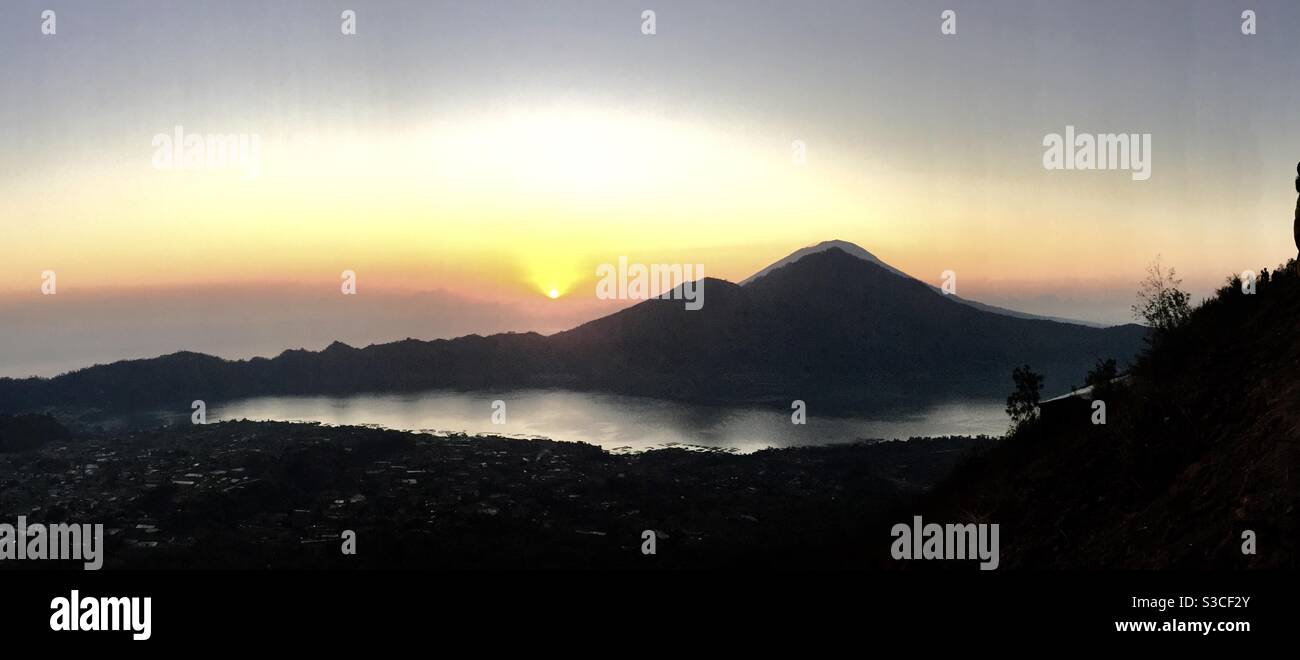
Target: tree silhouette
x: 1022, y: 405
x: 1161, y: 303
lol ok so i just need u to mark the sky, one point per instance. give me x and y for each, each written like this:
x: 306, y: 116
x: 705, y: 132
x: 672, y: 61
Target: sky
x: 468, y: 160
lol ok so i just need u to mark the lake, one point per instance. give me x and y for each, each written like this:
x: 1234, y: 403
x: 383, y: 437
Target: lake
x: 613, y: 421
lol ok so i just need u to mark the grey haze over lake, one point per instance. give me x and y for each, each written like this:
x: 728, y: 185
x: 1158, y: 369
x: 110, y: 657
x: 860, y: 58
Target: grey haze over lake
x: 613, y: 421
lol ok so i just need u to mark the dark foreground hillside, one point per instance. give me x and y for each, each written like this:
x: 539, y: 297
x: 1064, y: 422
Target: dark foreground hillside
x: 261, y: 494
x: 1203, y: 445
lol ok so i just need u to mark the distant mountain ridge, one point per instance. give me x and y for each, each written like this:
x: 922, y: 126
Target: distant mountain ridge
x: 834, y: 329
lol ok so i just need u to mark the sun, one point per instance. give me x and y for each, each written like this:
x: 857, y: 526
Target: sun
x: 551, y: 269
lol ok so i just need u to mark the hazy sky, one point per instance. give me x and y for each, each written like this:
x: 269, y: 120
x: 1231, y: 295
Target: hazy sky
x: 466, y: 158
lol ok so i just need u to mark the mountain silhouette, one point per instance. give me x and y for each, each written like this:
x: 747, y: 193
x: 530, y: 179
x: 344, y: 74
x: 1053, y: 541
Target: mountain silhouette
x: 856, y: 251
x: 830, y: 327
x: 851, y: 249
